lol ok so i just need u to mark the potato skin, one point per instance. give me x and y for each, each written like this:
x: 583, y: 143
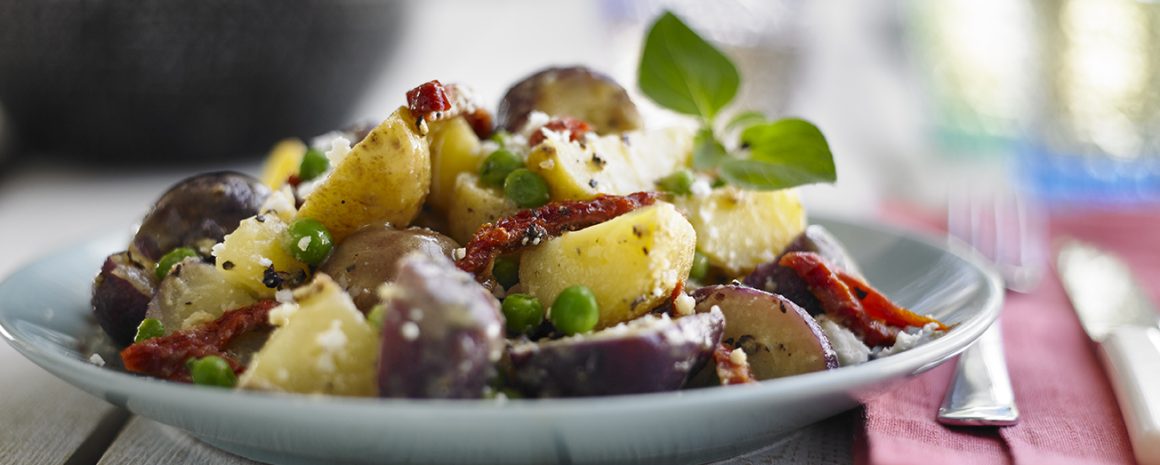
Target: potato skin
x: 576, y: 91
x: 194, y: 293
x: 197, y: 212
x: 779, y: 338
x: 442, y: 333
x: 121, y: 294
x: 772, y: 277
x: 370, y: 257
x: 650, y: 354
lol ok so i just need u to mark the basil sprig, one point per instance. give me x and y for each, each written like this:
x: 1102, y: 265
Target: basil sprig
x: 682, y: 72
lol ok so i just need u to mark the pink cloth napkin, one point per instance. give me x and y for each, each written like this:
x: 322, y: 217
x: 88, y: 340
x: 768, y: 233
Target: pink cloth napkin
x: 1068, y: 411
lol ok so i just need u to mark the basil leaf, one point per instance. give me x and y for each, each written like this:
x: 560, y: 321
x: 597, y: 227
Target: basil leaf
x: 682, y: 72
x: 708, y: 152
x: 744, y: 120
x: 782, y: 154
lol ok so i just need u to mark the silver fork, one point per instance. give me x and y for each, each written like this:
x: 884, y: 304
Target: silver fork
x: 1004, y: 228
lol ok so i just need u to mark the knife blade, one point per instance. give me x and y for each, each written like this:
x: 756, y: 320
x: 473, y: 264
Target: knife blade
x: 1117, y: 315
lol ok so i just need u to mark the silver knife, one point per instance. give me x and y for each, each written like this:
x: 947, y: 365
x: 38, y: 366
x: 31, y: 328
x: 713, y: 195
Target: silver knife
x: 1117, y: 315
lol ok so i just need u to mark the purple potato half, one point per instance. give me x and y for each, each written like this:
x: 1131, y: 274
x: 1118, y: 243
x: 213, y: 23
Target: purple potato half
x: 778, y: 337
x: 772, y: 277
x: 649, y: 354
x: 370, y: 257
x: 197, y: 212
x: 121, y: 294
x: 442, y: 332
x: 575, y: 91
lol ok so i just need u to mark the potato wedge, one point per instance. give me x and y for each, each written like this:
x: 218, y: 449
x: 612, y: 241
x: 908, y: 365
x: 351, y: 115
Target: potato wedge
x: 454, y: 149
x: 322, y: 345
x: 194, y: 293
x: 613, y: 164
x: 475, y: 204
x: 384, y: 179
x: 245, y: 255
x: 284, y: 160
x: 632, y: 262
x: 739, y: 229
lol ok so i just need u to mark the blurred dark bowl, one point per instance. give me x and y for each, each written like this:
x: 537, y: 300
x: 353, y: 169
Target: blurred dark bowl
x: 164, y: 81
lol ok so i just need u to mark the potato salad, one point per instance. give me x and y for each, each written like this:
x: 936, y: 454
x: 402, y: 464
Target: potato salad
x: 558, y: 247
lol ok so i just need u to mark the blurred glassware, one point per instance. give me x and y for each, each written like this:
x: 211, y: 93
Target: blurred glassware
x: 760, y: 36
x: 163, y: 81
x: 1067, y: 89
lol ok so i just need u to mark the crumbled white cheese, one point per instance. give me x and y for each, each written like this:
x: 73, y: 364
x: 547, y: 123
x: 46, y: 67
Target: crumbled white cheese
x: 547, y: 164
x: 536, y: 120
x: 459, y: 253
x: 849, y: 349
x: 910, y: 338
x: 409, y: 331
x: 217, y: 249
x: 701, y: 188
x: 322, y: 142
x: 97, y: 360
x: 265, y: 262
x: 333, y: 339
x: 339, y: 149
x: 738, y: 357
x: 488, y: 146
x: 284, y: 296
x: 303, y: 243
x: 280, y: 203
x: 684, y: 304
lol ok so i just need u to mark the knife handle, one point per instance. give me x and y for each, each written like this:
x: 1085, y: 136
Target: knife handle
x: 1132, y: 358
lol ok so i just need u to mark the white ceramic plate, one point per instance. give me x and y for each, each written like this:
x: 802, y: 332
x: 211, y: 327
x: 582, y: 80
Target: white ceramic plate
x: 44, y: 314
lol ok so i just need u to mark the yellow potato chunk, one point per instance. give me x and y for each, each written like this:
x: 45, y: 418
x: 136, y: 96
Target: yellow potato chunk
x: 631, y: 263
x: 475, y: 204
x: 246, y: 254
x: 195, y: 293
x: 322, y: 345
x: 614, y: 164
x: 739, y: 229
x: 455, y: 149
x: 283, y: 161
x: 384, y: 179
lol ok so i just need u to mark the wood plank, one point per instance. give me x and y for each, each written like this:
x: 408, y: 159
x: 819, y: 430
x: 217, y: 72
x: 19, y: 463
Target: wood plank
x: 825, y: 443
x: 44, y: 420
x: 146, y: 442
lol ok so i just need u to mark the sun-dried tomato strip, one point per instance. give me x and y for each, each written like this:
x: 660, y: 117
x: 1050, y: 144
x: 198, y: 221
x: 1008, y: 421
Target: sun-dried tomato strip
x: 729, y: 371
x: 576, y: 129
x: 528, y: 227
x: 837, y: 300
x: 165, y: 357
x: 880, y: 307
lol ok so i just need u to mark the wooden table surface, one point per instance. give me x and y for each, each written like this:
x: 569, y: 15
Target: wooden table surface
x: 45, y: 421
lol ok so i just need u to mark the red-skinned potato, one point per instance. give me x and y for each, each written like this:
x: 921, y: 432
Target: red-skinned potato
x: 778, y: 337
x: 649, y: 354
x: 442, y: 332
x: 772, y: 277
x: 121, y: 294
x: 197, y: 212
x: 370, y: 257
x: 576, y: 91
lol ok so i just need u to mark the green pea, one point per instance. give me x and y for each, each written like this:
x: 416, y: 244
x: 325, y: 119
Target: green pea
x: 679, y: 183
x: 575, y: 311
x: 314, y: 163
x: 501, y: 137
x: 526, y: 189
x: 174, y: 257
x: 700, y: 267
x: 506, y: 271
x: 522, y: 313
x: 497, y: 166
x: 377, y: 316
x: 212, y: 371
x: 308, y: 241
x: 149, y: 329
